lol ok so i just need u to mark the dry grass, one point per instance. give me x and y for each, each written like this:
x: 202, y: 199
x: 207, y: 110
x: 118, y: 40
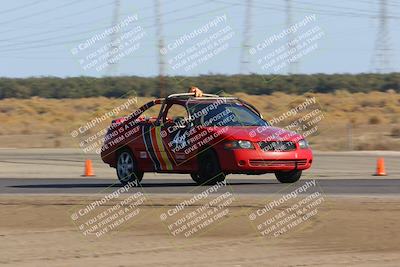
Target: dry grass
x: 374, y: 118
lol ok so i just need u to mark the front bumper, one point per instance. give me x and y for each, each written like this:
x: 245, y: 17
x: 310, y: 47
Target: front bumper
x: 259, y: 161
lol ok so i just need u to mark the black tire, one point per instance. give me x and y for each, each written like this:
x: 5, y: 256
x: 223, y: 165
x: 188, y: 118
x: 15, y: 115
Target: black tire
x: 288, y: 176
x: 209, y: 172
x: 127, y: 170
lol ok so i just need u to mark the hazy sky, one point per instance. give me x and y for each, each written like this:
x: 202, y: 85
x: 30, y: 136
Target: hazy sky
x: 37, y: 36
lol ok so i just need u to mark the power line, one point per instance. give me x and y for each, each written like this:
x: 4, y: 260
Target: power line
x: 21, y: 7
x: 28, y: 42
x: 80, y: 40
x: 91, y: 9
x: 40, y: 13
x: 57, y: 29
x: 325, y: 12
x: 394, y: 3
x: 29, y: 46
x: 366, y: 11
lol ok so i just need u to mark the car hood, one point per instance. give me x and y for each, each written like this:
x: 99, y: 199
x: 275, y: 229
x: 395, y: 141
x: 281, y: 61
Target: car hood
x: 256, y: 133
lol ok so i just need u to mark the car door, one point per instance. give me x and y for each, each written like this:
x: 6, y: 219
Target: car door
x: 174, y: 134
x: 143, y: 144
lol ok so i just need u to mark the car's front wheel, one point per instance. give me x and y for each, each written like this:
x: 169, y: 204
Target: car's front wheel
x: 209, y: 171
x: 127, y: 170
x: 288, y: 176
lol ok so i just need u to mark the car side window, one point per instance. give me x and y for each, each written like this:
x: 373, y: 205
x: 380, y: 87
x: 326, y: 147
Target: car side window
x: 151, y: 112
x: 176, y: 112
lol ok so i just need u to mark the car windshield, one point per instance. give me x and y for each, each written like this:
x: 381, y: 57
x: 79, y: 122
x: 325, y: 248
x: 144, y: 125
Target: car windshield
x: 224, y: 114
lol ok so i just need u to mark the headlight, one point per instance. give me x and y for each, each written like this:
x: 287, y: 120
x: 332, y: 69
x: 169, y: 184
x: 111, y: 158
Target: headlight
x: 241, y: 144
x: 303, y: 144
x: 245, y: 144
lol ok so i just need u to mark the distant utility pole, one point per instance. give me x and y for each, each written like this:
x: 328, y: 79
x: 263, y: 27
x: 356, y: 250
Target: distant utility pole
x: 293, y: 67
x: 161, y: 59
x: 113, y: 65
x: 244, y: 55
x: 382, y: 52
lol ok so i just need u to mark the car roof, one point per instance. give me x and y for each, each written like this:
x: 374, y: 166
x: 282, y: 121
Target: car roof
x: 198, y: 100
x: 190, y: 97
x: 184, y: 98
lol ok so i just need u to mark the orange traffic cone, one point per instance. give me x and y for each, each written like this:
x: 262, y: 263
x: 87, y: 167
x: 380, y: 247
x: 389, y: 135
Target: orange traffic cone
x: 380, y: 167
x: 88, y: 168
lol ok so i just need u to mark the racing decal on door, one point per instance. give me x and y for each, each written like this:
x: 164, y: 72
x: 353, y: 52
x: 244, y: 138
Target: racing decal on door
x: 156, y: 136
x: 179, y: 141
x: 155, y: 148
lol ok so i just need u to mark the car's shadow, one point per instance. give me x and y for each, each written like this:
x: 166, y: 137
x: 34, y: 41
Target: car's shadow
x: 144, y: 185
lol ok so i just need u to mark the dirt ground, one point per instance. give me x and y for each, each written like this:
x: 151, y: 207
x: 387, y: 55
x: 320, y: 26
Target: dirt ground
x: 37, y: 230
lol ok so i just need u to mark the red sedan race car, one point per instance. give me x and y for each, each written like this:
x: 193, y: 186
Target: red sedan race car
x: 207, y: 137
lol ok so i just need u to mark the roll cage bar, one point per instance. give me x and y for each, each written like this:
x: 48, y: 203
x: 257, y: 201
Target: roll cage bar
x: 191, y: 96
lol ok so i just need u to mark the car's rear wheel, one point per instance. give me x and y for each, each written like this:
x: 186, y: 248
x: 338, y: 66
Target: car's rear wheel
x: 127, y: 170
x: 209, y: 172
x: 288, y: 176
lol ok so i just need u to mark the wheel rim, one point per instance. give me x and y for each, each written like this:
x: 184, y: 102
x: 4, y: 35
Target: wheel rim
x: 125, y: 165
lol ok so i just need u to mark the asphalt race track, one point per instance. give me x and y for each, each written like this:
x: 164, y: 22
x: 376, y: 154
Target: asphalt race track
x: 179, y: 186
x: 58, y: 171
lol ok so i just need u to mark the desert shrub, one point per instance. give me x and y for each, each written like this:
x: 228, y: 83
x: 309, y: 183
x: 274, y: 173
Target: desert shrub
x: 57, y: 143
x: 374, y: 120
x: 395, y: 132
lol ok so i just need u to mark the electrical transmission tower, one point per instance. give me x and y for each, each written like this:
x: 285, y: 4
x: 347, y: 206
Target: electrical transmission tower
x: 293, y: 67
x: 244, y: 55
x: 113, y: 64
x: 161, y: 49
x: 382, y: 52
